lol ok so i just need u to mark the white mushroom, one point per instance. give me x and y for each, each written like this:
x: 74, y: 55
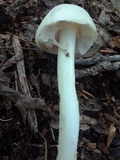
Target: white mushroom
x: 67, y: 29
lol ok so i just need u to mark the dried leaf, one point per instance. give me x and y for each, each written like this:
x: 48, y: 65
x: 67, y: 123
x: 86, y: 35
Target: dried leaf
x: 116, y: 27
x: 104, y: 18
x: 116, y: 4
x: 55, y: 124
x: 111, y: 134
x: 102, y: 147
x: 46, y: 79
x: 103, y: 36
x: 5, y: 77
x: 114, y: 42
x: 92, y: 145
x: 5, y: 36
x: 86, y: 122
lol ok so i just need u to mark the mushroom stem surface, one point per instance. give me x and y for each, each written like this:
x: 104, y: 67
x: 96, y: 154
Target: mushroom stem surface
x: 69, y: 107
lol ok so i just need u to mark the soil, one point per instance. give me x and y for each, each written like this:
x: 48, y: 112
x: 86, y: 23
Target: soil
x: 29, y: 99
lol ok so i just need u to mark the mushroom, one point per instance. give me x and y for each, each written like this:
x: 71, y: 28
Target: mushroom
x: 66, y: 30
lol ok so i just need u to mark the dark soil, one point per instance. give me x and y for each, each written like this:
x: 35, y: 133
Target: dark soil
x: 29, y: 100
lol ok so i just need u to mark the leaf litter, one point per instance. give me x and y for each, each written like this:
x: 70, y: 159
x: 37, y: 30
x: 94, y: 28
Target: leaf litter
x: 28, y: 84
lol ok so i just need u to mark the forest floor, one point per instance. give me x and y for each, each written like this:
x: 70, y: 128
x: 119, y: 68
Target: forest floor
x: 29, y: 100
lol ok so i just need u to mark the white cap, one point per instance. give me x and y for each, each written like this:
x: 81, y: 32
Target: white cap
x: 63, y: 16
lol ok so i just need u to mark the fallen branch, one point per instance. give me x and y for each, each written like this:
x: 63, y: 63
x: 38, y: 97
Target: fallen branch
x: 24, y: 101
x: 96, y: 59
x: 98, y: 68
x: 19, y: 99
x: 23, y: 84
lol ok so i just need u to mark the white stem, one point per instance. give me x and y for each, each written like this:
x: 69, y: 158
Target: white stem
x: 69, y: 108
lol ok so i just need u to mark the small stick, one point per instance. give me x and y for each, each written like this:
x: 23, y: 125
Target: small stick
x: 23, y: 82
x: 98, y: 68
x: 87, y: 93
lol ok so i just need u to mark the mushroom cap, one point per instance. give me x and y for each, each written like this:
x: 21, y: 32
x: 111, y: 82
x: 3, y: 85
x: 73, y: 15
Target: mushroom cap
x: 61, y: 17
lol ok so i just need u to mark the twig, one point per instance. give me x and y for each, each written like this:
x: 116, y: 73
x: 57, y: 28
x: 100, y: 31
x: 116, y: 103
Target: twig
x: 45, y: 145
x: 23, y: 82
x: 87, y: 93
x: 26, y: 48
x: 25, y: 101
x: 6, y: 120
x: 112, y: 119
x: 96, y: 59
x: 98, y: 68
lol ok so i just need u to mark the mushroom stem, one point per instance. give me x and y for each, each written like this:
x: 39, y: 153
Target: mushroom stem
x: 69, y: 108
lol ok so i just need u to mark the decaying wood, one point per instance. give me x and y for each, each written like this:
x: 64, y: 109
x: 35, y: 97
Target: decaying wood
x: 98, y: 68
x: 115, y: 42
x: 22, y: 80
x: 25, y: 101
x: 97, y: 59
x: 112, y: 119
